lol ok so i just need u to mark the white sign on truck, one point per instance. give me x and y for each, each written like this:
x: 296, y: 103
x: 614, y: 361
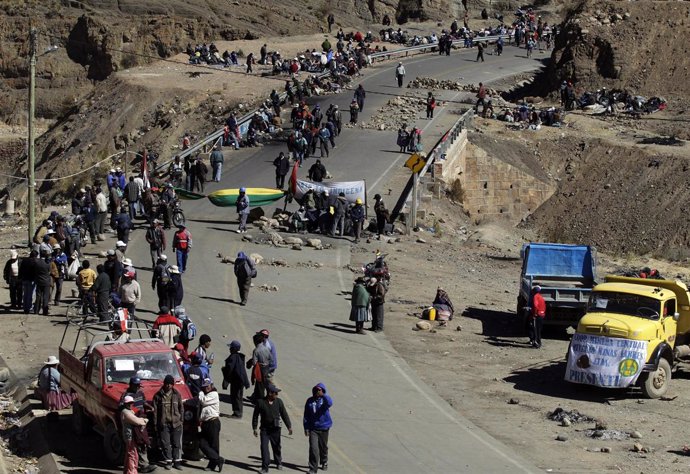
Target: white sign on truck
x: 605, y: 361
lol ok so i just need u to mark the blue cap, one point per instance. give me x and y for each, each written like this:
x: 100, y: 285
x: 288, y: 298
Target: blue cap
x: 243, y: 190
x: 235, y: 345
x: 135, y: 381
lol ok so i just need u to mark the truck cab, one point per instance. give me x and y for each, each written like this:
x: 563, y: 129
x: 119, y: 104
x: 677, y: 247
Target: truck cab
x: 630, y: 333
x: 101, y: 377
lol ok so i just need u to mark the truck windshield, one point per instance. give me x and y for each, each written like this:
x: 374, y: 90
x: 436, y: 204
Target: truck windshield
x: 153, y: 366
x: 623, y: 303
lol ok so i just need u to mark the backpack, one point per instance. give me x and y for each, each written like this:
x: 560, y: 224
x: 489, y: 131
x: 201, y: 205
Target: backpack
x: 188, y: 332
x: 164, y: 278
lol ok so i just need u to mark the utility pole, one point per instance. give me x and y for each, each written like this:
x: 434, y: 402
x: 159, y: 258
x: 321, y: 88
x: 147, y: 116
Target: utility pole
x: 32, y: 157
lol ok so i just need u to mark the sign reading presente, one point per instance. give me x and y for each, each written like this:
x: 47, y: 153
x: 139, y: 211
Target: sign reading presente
x: 605, y: 361
x: 351, y: 189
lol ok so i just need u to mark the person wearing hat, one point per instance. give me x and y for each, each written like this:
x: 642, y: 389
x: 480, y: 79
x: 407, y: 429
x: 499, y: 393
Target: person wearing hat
x: 382, y: 214
x: 196, y: 373
x: 130, y: 423
x: 377, y: 290
x: 11, y: 276
x: 110, y: 178
x: 359, y: 311
x: 242, y: 206
x: 235, y: 376
x: 357, y: 215
x: 210, y: 425
x: 58, y: 269
x: 400, y: 74
x: 174, y: 288
x: 282, y: 165
x: 169, y: 416
x: 317, y: 423
x: 141, y: 408
x: 271, y: 411
x: 120, y: 250
x: 113, y: 267
x: 268, y: 342
x: 245, y: 270
x: 130, y: 293
x: 53, y: 397
x: 182, y: 245
x: 166, y: 327
x: 538, y: 313
x: 217, y: 161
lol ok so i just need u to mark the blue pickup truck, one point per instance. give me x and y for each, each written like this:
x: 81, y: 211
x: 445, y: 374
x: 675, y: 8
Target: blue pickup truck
x: 566, y: 274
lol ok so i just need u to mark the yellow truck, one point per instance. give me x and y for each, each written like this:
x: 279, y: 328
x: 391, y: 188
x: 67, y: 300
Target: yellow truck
x: 633, y: 332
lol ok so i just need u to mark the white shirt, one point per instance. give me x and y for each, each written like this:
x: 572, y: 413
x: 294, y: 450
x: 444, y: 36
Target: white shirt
x: 210, y: 405
x: 400, y: 70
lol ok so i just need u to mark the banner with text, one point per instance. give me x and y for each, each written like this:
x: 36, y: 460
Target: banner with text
x: 605, y: 361
x: 351, y: 189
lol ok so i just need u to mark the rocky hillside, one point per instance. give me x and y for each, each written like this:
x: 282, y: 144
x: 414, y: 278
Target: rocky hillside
x: 638, y: 46
x: 98, y: 37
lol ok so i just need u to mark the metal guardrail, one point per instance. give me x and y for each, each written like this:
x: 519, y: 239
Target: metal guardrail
x: 243, y: 122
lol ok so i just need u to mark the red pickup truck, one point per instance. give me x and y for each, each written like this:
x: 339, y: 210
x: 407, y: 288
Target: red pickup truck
x: 102, y: 375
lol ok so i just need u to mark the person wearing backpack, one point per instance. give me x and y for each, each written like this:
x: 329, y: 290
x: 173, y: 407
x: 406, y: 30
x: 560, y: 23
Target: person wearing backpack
x: 188, y: 332
x: 245, y: 270
x: 156, y: 239
x: 175, y: 289
x: 235, y: 375
x: 160, y: 280
x: 182, y: 244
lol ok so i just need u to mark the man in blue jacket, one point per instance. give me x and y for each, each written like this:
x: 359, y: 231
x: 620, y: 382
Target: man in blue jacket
x: 317, y: 421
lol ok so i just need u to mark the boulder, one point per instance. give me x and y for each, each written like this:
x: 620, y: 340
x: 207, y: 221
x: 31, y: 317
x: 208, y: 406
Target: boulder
x: 255, y: 214
x: 315, y: 243
x: 258, y: 259
x: 423, y: 325
x: 293, y: 241
x: 276, y: 238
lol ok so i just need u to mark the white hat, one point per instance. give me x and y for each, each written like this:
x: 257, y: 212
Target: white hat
x: 120, y: 243
x: 163, y: 257
x: 110, y: 252
x: 50, y: 232
x: 52, y: 360
x: 112, y: 170
x: 82, y: 190
x: 127, y: 262
x: 56, y: 247
x: 174, y: 269
x: 128, y: 399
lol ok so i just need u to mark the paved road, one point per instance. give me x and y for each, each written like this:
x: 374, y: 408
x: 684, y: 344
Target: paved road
x: 386, y: 419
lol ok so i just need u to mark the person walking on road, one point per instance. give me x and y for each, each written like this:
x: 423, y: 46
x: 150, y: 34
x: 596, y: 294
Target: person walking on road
x: 400, y: 74
x: 430, y: 105
x: 131, y: 422
x: 259, y: 364
x: 354, y: 111
x: 160, y: 280
x: 378, y: 296
x: 282, y: 165
x: 359, y: 312
x: 175, y: 288
x: 357, y: 215
x: 168, y: 415
x: 271, y: 410
x: 245, y: 270
x: 250, y: 63
x: 360, y: 95
x: 317, y: 423
x: 339, y: 211
x: 156, y: 240
x: 324, y: 137
x: 480, y: 51
x: 182, y: 245
x: 481, y: 98
x: 536, y: 321
x: 242, y: 205
x: 166, y: 327
x: 217, y: 163
x: 235, y: 376
x: 210, y: 426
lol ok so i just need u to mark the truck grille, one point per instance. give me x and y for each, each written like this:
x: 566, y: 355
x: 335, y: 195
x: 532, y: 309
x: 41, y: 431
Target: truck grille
x: 606, y: 331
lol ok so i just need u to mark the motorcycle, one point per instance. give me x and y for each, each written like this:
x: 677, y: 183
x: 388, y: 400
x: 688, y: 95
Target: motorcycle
x: 177, y: 214
x: 378, y: 269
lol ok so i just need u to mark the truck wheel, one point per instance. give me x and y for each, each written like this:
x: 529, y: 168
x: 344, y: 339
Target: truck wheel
x: 655, y: 384
x: 113, y: 446
x: 80, y: 422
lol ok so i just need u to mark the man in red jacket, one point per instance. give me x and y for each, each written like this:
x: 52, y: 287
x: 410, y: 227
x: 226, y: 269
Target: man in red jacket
x: 538, y: 314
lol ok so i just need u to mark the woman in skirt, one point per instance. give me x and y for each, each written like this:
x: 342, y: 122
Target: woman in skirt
x: 359, y: 313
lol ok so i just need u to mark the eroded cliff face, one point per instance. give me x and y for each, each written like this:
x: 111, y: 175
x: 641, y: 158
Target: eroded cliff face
x: 99, y: 37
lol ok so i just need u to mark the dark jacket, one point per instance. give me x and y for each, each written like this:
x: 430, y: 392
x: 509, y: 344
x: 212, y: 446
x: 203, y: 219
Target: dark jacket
x: 42, y: 275
x: 102, y: 284
x: 159, y: 408
x: 317, y: 414
x: 244, y: 267
x: 270, y: 414
x: 282, y: 165
x: 357, y: 213
x: 234, y: 371
x: 27, y: 269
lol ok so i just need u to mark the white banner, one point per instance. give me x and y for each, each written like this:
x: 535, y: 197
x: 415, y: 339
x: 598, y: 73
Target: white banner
x: 351, y: 189
x: 605, y: 361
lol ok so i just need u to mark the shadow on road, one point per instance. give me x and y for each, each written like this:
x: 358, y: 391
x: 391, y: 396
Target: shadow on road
x: 223, y: 300
x: 212, y: 221
x: 495, y: 323
x: 547, y: 379
x: 338, y: 327
x: 289, y: 465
